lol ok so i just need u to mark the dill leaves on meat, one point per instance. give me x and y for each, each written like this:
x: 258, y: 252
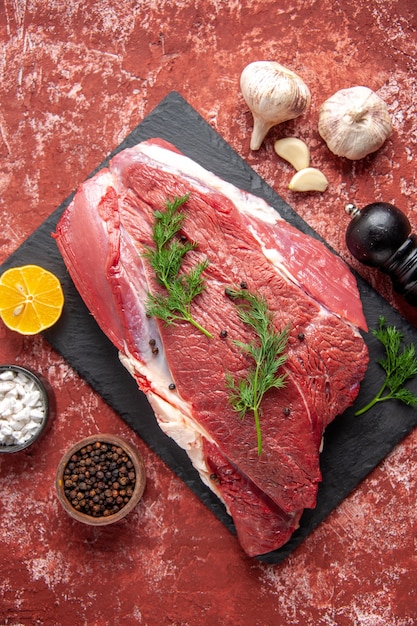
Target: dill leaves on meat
x: 166, y: 259
x: 399, y: 365
x: 266, y: 352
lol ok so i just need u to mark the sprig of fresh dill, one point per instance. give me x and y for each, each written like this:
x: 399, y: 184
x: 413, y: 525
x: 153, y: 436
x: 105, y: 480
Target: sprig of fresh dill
x: 246, y: 394
x: 399, y: 365
x: 166, y: 259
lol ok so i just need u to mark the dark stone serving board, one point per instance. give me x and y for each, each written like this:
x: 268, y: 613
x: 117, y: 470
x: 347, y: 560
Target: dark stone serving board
x: 353, y: 445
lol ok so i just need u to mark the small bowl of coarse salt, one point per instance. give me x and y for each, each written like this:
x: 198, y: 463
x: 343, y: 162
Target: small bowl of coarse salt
x: 25, y: 406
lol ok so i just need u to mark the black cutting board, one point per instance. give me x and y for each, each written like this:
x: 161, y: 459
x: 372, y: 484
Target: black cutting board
x: 353, y: 445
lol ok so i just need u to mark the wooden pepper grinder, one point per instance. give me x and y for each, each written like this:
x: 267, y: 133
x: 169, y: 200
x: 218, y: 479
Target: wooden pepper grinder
x: 379, y: 235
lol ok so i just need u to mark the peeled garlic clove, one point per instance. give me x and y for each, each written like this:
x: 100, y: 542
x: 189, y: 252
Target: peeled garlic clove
x: 274, y: 95
x: 354, y: 122
x: 293, y: 150
x: 308, y: 179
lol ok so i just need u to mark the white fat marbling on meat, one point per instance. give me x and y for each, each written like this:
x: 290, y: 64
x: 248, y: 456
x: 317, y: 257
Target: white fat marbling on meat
x: 174, y: 416
x: 275, y: 257
x: 95, y: 191
x: 186, y: 168
x: 155, y: 370
x: 186, y: 433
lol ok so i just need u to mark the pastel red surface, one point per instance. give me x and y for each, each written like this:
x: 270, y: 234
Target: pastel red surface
x: 79, y: 77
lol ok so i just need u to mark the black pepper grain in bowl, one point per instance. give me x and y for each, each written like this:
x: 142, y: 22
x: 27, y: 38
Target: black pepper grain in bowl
x: 100, y: 479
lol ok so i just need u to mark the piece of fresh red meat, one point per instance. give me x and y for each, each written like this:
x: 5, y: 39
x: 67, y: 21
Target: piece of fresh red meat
x: 102, y: 237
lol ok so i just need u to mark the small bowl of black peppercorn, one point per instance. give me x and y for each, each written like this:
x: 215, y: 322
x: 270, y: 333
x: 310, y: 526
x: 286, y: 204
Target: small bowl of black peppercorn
x: 100, y: 479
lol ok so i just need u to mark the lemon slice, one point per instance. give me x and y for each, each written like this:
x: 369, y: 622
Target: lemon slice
x: 31, y: 299
x: 308, y: 179
x: 293, y: 150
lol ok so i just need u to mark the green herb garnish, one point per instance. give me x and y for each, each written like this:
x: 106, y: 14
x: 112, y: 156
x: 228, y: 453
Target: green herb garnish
x: 166, y: 260
x: 246, y: 394
x: 399, y: 366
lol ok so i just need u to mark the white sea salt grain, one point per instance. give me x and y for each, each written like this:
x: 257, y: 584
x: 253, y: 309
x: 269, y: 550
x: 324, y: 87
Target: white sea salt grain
x: 6, y: 385
x: 7, y: 375
x: 21, y: 408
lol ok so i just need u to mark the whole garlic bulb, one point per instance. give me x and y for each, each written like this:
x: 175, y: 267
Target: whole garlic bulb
x: 354, y: 122
x: 274, y: 95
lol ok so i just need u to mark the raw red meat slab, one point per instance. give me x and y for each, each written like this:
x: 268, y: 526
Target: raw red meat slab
x: 265, y: 494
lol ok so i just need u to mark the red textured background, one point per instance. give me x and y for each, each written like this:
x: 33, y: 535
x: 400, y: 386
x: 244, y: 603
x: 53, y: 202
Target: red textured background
x: 76, y: 78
